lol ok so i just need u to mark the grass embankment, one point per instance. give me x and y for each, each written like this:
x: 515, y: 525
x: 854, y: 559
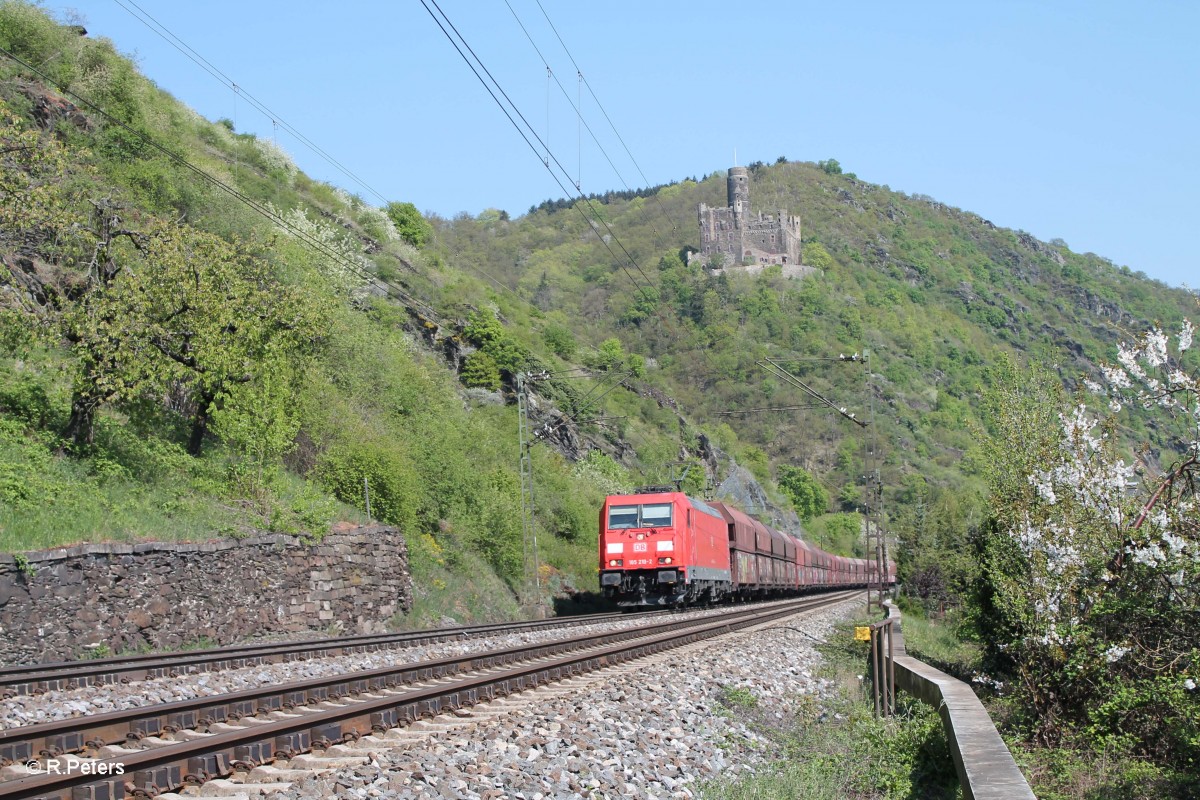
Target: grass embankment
x: 837, y: 748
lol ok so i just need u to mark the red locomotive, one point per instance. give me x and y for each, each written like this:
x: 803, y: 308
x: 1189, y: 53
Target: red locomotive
x: 665, y: 548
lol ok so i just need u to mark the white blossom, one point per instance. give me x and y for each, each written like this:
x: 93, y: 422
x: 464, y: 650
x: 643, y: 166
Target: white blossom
x: 1190, y: 685
x: 1117, y: 377
x: 1185, y: 335
x: 1156, y: 348
x: 274, y: 156
x: 1115, y: 654
x: 1128, y: 357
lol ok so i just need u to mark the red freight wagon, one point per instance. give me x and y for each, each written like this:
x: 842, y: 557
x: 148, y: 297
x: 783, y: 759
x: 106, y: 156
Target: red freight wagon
x: 778, y: 556
x: 807, y: 570
x: 789, y: 561
x: 662, y: 549
x: 741, y: 547
x: 762, y: 548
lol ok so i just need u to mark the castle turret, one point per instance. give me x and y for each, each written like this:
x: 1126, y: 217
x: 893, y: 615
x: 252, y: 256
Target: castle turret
x: 739, y: 190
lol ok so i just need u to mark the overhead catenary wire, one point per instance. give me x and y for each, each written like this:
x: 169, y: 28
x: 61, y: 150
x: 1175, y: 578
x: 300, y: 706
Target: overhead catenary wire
x: 600, y: 105
x: 577, y: 106
x: 765, y: 409
x: 529, y: 131
x: 529, y: 134
x: 771, y: 366
x: 315, y: 244
x: 536, y: 145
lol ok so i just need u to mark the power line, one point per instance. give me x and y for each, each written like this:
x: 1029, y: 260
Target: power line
x: 315, y: 244
x: 529, y: 131
x: 600, y: 105
x: 765, y: 409
x: 771, y: 366
x: 532, y: 132
x: 239, y: 91
x: 529, y: 134
x: 579, y: 114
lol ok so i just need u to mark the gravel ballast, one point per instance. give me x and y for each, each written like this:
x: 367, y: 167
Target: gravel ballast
x: 100, y: 699
x: 655, y: 728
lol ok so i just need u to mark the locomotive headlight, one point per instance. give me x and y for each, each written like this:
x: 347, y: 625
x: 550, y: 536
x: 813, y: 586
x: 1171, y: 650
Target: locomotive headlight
x: 641, y: 536
x: 666, y: 560
x: 614, y: 562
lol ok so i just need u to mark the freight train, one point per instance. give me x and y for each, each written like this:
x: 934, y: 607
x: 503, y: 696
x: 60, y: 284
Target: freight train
x: 665, y: 549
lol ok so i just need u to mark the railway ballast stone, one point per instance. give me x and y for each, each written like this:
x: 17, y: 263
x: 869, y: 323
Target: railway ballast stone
x: 59, y: 604
x: 653, y: 730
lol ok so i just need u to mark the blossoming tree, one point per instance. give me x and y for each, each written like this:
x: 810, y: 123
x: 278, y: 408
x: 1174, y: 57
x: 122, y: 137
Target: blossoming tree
x: 1092, y: 565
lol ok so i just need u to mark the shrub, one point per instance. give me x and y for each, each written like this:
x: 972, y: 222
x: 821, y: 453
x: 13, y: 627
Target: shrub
x: 412, y: 227
x: 480, y: 371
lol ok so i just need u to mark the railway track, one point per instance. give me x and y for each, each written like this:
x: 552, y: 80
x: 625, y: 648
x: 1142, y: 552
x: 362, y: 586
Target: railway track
x: 37, y: 678
x: 153, y: 750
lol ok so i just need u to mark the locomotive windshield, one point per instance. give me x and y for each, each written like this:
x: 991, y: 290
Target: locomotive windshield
x: 622, y: 517
x: 657, y: 515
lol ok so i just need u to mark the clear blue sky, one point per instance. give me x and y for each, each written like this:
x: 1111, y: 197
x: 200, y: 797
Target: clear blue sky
x: 1076, y: 120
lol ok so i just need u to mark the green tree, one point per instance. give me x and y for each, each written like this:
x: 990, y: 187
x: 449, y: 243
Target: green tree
x: 831, y: 166
x: 480, y: 370
x: 808, y: 496
x: 184, y: 308
x: 409, y: 222
x: 560, y: 340
x: 485, y: 331
x: 815, y: 255
x: 642, y: 307
x: 258, y: 418
x: 611, y: 354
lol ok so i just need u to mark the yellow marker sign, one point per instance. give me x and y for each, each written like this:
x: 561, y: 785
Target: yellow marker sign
x: 862, y: 634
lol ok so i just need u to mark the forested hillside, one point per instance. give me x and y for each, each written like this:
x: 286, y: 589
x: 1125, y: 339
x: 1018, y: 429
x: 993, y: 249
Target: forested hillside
x: 199, y: 340
x: 937, y: 296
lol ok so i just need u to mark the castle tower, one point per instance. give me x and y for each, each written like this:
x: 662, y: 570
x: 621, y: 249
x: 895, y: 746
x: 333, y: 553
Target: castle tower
x: 739, y: 190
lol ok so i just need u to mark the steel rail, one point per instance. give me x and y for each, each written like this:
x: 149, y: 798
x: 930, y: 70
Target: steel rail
x: 169, y: 766
x: 34, y: 678
x: 75, y: 734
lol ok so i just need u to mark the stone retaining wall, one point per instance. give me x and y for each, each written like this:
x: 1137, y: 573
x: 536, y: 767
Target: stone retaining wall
x: 60, y: 604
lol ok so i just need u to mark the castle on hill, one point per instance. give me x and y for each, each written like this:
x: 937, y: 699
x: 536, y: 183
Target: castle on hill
x: 736, y: 238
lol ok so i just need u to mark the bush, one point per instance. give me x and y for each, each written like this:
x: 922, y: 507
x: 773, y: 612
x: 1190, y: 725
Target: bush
x: 808, y: 497
x: 412, y: 227
x: 480, y: 371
